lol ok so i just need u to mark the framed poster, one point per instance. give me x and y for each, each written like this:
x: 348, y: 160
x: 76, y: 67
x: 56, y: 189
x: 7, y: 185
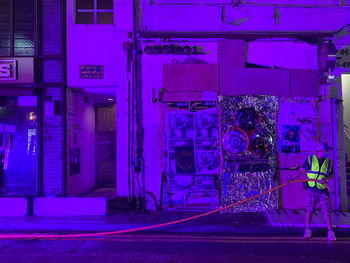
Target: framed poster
x: 290, y: 139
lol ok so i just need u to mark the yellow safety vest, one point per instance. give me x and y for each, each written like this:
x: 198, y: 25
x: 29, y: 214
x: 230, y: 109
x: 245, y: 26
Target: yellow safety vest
x: 316, y: 172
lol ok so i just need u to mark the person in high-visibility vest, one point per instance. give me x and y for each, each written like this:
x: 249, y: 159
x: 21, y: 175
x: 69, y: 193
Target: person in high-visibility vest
x: 319, y: 167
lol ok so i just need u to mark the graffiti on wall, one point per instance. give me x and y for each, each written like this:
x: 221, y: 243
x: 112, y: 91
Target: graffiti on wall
x: 174, y: 49
x: 248, y: 138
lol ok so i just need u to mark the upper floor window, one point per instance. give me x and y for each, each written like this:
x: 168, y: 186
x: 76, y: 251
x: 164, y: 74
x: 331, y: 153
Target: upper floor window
x: 94, y: 12
x: 17, y: 27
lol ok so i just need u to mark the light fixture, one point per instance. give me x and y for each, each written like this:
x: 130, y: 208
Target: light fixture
x: 32, y: 116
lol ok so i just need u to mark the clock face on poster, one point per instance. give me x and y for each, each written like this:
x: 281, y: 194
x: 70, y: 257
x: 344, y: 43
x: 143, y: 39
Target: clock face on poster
x: 261, y: 142
x: 247, y: 119
x: 235, y: 141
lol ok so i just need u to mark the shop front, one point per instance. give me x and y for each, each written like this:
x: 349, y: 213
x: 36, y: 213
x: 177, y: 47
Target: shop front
x: 229, y: 123
x: 19, y: 117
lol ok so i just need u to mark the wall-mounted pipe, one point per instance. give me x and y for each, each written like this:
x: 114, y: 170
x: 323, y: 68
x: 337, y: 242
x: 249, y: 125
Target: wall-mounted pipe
x: 138, y: 158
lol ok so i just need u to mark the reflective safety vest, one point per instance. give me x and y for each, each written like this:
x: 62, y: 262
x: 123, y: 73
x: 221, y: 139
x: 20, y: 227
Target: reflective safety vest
x: 316, y: 172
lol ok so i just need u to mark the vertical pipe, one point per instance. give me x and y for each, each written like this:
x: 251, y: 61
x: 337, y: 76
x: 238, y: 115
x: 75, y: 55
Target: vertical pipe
x: 64, y: 91
x: 334, y: 157
x: 338, y: 152
x: 39, y: 93
x: 139, y: 165
x: 40, y: 138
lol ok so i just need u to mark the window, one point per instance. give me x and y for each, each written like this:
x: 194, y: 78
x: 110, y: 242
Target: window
x: 94, y: 12
x: 17, y: 23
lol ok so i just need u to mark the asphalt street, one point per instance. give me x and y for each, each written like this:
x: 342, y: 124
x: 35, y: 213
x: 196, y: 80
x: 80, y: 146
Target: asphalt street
x: 158, y: 247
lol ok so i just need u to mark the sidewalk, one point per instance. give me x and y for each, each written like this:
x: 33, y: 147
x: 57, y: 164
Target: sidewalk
x: 247, y: 224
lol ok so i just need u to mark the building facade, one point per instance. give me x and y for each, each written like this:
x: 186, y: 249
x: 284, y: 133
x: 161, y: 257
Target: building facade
x: 171, y: 103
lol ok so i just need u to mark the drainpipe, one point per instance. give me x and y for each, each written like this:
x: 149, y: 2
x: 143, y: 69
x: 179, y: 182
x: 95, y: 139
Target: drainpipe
x: 139, y: 166
x: 64, y: 92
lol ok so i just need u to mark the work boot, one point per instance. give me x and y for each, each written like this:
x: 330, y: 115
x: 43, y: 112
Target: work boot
x: 331, y: 236
x: 307, y: 233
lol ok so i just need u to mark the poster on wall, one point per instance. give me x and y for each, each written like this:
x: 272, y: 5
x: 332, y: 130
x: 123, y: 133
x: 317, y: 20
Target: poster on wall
x: 298, y: 124
x: 181, y: 129
x: 207, y: 162
x: 290, y: 139
x: 206, y: 127
x: 192, y: 164
x: 74, y: 161
x: 184, y: 159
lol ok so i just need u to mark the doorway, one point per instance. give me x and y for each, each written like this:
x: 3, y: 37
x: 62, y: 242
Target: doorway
x: 106, y: 145
x: 105, y: 154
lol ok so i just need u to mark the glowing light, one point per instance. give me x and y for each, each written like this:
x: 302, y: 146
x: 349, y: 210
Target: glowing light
x: 32, y: 116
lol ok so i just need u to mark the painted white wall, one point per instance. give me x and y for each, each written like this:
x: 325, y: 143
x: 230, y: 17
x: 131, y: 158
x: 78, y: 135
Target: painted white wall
x: 345, y: 79
x: 89, y: 45
x: 225, y: 17
x: 103, y: 45
x: 283, y: 54
x: 81, y: 124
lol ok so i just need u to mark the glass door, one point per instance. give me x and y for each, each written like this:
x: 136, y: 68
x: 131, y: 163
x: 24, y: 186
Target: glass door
x: 18, y: 145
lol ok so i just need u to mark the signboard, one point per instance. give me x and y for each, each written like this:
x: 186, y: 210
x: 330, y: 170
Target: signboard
x: 8, y: 69
x: 177, y: 105
x: 201, y: 105
x: 191, y: 105
x: 16, y: 70
x: 91, y: 72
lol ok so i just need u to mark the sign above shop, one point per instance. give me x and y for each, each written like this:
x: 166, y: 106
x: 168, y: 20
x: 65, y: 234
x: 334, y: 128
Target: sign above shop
x: 16, y: 70
x: 8, y: 69
x: 174, y: 49
x: 91, y: 72
x: 201, y: 105
x: 177, y: 105
x: 192, y: 105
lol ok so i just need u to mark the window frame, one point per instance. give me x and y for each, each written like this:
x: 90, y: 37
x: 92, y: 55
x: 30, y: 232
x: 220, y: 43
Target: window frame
x: 95, y: 11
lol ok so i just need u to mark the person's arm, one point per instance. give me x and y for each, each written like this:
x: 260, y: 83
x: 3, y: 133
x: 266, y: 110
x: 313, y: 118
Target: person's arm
x: 301, y: 169
x: 327, y: 178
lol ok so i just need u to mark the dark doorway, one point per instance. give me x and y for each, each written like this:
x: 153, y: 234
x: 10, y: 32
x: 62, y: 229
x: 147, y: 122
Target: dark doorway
x: 106, y: 150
